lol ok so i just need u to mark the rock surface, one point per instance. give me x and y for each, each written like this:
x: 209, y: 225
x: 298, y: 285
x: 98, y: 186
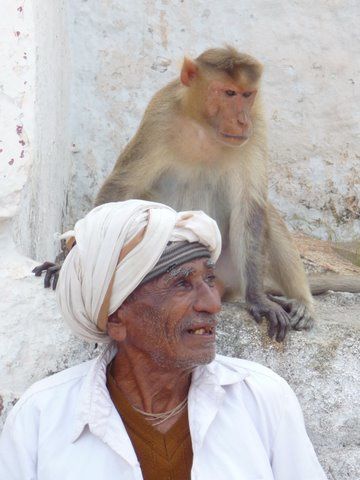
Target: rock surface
x: 322, y: 366
x: 320, y: 256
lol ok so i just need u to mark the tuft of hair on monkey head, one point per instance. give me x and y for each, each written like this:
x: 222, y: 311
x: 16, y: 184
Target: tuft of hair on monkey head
x: 232, y: 62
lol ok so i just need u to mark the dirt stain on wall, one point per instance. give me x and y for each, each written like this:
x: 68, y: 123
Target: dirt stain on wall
x: 163, y: 29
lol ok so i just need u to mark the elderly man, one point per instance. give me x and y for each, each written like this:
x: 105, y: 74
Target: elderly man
x: 157, y: 404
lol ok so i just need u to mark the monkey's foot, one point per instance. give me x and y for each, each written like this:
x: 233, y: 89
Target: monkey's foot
x: 51, y: 276
x: 277, y: 317
x: 301, y: 317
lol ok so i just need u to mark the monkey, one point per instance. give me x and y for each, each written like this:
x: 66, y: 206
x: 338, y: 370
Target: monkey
x: 202, y: 145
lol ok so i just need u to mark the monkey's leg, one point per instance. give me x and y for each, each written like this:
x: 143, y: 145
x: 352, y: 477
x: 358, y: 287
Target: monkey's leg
x: 287, y: 270
x: 42, y: 268
x: 298, y: 312
x: 246, y: 245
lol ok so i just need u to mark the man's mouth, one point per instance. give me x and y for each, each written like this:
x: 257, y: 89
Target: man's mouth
x: 203, y: 330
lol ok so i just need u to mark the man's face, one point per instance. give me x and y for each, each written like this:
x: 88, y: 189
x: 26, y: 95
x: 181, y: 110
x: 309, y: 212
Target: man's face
x: 172, y: 317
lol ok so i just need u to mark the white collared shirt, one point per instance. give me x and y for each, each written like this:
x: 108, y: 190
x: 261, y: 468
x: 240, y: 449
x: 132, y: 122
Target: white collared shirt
x: 245, y: 424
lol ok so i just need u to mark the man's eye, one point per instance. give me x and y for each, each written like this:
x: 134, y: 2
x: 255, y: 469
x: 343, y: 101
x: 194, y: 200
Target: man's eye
x: 183, y: 283
x: 210, y: 280
x: 230, y: 93
x: 247, y: 94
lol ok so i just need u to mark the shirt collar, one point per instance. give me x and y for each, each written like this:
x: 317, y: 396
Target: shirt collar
x: 93, y: 393
x: 220, y: 372
x: 95, y: 408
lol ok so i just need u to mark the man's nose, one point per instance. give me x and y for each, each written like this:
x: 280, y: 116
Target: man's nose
x: 208, y: 299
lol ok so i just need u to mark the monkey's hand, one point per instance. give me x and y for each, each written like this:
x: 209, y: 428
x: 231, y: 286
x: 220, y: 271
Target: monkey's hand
x: 52, y: 273
x: 279, y: 321
x: 301, y: 316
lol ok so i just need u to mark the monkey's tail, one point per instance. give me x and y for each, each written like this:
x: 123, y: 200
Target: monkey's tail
x: 337, y: 283
x: 321, y: 283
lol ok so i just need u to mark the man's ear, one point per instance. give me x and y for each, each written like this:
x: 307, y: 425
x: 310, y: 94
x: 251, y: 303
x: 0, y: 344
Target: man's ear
x: 116, y: 328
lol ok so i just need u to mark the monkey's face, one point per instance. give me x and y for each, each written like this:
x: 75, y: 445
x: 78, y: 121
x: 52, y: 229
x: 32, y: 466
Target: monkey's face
x: 228, y: 111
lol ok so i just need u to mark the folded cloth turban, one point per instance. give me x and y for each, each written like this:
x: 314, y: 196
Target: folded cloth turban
x: 117, y: 245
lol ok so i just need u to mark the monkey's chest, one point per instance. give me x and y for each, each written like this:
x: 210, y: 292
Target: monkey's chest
x: 198, y: 193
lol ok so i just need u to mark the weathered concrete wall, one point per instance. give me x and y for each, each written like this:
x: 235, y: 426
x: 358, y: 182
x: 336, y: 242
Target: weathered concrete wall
x: 17, y: 99
x: 44, y: 197
x: 34, y: 148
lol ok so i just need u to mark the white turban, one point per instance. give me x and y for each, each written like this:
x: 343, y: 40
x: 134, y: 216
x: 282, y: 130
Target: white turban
x: 117, y: 244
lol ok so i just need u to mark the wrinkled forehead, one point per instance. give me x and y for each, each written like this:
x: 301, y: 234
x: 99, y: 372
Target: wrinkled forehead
x: 190, y: 268
x: 175, y: 254
x: 163, y: 283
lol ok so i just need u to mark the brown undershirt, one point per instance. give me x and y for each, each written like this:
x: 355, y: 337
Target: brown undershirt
x: 162, y: 456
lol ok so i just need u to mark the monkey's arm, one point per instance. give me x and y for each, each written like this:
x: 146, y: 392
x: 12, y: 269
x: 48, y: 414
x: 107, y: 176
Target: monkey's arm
x: 249, y: 241
x: 52, y: 269
x: 286, y: 269
x: 52, y: 273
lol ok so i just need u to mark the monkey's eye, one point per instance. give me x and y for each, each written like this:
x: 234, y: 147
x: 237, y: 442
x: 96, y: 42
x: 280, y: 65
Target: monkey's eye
x: 230, y: 93
x: 247, y: 94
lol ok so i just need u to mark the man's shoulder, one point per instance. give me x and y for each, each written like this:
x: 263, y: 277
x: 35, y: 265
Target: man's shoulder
x: 250, y: 371
x: 249, y: 381
x: 54, y: 386
x: 60, y: 379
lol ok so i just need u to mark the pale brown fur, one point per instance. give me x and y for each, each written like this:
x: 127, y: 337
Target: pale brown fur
x: 176, y: 158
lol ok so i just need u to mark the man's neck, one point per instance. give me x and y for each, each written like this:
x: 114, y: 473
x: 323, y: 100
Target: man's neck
x: 146, y: 384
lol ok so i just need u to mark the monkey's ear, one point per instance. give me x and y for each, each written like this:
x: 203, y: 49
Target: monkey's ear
x: 189, y: 71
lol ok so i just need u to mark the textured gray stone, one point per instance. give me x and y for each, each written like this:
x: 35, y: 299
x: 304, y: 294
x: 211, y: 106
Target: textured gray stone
x: 323, y: 368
